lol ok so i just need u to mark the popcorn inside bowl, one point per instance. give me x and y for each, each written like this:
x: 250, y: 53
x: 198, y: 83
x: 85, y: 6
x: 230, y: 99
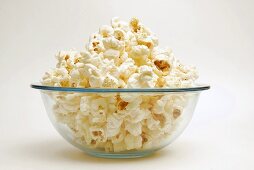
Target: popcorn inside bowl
x: 120, y: 55
x: 114, y: 124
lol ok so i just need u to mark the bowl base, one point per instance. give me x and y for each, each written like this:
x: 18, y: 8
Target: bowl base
x: 120, y: 155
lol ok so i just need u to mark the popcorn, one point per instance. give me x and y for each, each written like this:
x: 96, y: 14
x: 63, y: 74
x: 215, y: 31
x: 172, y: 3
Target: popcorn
x: 110, y: 82
x: 120, y: 55
x: 134, y: 24
x: 133, y: 142
x: 177, y: 112
x: 117, y: 23
x: 95, y: 45
x: 127, y: 68
x: 111, y: 54
x: 97, y: 134
x: 119, y: 34
x: 95, y: 79
x: 58, y: 77
x: 139, y: 54
x: 106, y: 31
x: 113, y: 125
x: 85, y: 104
x: 143, y: 79
x: 122, y: 105
x: 134, y: 128
x: 119, y: 138
x: 113, y: 43
x: 108, y: 147
x: 152, y: 124
x: 118, y: 147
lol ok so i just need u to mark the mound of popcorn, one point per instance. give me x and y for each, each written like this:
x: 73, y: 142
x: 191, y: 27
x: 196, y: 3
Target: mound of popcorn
x: 120, y: 55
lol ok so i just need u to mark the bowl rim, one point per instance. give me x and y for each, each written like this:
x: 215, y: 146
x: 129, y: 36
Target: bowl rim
x: 196, y: 87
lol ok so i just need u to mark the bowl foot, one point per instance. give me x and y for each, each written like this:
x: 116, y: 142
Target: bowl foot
x: 120, y: 155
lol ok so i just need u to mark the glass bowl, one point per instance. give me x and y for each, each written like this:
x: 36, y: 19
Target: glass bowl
x: 120, y: 123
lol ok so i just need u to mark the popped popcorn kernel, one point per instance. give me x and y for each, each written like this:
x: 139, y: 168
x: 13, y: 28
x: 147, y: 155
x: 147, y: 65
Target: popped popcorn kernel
x: 162, y: 65
x: 119, y: 34
x: 122, y: 105
x: 106, y: 31
x: 110, y: 82
x: 134, y: 23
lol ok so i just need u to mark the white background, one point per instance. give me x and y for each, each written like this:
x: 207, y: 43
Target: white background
x: 217, y: 36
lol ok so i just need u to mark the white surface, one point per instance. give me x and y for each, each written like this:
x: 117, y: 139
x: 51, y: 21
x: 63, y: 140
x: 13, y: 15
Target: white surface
x: 216, y: 36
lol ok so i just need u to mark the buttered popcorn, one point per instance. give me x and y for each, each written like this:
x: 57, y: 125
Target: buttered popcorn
x: 120, y: 55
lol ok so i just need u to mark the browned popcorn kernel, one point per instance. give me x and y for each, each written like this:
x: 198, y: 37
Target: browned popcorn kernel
x: 160, y: 118
x: 117, y: 136
x: 76, y: 61
x: 66, y: 57
x: 162, y: 65
x: 95, y: 43
x: 93, y: 142
x: 95, y: 46
x: 97, y: 133
x: 122, y: 105
x: 144, y: 138
x: 176, y: 113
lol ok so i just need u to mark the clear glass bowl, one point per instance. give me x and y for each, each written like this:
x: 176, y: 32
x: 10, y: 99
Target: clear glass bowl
x: 120, y: 123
